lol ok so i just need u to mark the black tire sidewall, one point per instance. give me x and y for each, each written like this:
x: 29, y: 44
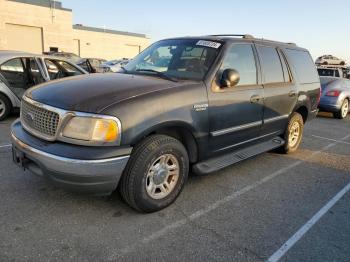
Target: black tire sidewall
x: 142, y: 165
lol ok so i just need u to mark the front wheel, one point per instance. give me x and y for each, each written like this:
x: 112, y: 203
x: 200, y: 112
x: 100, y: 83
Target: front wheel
x: 155, y: 174
x: 344, y: 110
x: 293, y: 134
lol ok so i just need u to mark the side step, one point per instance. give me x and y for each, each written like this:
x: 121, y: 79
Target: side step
x: 217, y: 163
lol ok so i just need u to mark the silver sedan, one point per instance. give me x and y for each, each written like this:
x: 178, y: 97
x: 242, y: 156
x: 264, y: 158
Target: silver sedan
x: 335, y: 96
x: 20, y: 71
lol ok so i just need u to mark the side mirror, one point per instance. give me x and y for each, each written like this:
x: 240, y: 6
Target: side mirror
x: 229, y: 78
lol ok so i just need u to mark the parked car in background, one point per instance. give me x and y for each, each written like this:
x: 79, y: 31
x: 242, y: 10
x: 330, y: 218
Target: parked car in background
x: 206, y: 103
x: 71, y: 57
x: 335, y: 96
x: 332, y: 71
x: 114, y: 65
x: 329, y: 60
x: 19, y: 71
x: 92, y: 65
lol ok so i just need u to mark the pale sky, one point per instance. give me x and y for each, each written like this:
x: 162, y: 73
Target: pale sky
x: 320, y: 26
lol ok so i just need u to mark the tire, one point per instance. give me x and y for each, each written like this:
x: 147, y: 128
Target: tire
x: 148, y: 167
x: 5, y: 107
x: 325, y: 63
x: 342, y: 63
x: 291, y: 144
x: 344, y: 110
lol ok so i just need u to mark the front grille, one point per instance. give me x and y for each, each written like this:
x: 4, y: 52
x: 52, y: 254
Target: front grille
x: 38, y: 119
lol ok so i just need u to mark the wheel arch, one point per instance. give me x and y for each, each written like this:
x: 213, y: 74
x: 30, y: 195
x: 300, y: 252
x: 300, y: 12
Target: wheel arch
x: 303, y: 111
x: 178, y: 130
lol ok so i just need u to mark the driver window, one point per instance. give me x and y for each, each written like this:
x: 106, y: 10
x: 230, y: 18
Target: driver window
x: 241, y: 58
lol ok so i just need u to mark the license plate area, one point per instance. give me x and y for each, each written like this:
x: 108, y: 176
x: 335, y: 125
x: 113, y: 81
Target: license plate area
x: 18, y: 157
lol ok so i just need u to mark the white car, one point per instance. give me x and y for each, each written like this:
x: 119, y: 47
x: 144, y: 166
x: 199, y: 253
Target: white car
x: 114, y: 65
x: 329, y: 60
x: 20, y: 71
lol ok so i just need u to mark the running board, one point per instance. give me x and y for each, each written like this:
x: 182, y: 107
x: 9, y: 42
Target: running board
x: 217, y: 163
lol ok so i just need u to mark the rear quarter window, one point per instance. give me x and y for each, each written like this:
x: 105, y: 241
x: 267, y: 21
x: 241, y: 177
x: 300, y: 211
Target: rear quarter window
x: 303, y: 66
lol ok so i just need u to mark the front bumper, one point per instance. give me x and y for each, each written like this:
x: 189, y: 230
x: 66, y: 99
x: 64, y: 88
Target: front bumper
x: 94, y: 176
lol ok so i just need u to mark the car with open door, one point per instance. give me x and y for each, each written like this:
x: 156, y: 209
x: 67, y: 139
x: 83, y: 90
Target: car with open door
x: 20, y: 71
x: 191, y: 103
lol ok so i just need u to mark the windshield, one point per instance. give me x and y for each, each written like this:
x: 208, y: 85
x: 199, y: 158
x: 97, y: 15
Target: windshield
x: 182, y: 59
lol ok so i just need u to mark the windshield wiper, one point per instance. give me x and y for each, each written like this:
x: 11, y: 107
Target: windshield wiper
x: 160, y: 74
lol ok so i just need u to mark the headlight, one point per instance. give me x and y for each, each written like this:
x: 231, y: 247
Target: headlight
x: 92, y: 129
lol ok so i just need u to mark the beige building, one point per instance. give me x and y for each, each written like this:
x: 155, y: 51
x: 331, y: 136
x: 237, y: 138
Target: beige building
x: 44, y: 25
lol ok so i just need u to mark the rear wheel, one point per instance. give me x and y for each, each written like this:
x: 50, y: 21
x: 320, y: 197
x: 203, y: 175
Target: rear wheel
x: 5, y: 107
x: 293, y: 134
x: 155, y: 174
x: 344, y: 110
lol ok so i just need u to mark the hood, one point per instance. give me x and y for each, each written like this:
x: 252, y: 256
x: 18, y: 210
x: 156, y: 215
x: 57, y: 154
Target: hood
x: 92, y: 93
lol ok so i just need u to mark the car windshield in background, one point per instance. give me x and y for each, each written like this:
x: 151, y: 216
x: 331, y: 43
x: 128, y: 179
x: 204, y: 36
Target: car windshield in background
x: 181, y: 59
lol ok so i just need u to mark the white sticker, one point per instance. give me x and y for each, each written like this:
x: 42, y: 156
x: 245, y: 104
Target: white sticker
x: 209, y: 44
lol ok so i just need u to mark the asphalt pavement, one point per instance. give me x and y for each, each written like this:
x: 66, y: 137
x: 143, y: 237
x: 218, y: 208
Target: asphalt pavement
x: 272, y: 207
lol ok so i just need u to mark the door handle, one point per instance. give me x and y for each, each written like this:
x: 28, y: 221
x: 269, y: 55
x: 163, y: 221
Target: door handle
x: 292, y: 93
x: 255, y: 98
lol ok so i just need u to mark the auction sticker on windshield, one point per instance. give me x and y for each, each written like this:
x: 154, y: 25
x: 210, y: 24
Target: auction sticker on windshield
x: 209, y: 44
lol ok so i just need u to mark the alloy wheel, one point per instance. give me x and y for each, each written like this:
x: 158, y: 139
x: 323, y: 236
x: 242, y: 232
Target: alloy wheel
x: 294, y: 134
x: 345, y: 108
x: 162, y: 176
x: 2, y: 108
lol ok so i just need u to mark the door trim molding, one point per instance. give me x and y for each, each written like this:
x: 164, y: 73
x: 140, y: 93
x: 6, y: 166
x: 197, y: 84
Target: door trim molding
x: 235, y: 129
x: 273, y: 119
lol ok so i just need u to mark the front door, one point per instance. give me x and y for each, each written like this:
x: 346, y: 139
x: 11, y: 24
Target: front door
x: 236, y: 113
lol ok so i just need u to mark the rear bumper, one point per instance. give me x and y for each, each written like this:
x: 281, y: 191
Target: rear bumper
x: 329, y: 104
x: 329, y: 108
x: 92, y: 176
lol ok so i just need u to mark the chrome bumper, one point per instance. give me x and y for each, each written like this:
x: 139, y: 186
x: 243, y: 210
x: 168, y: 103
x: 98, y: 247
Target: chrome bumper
x: 90, y: 176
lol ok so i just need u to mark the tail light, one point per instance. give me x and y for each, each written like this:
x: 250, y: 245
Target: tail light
x: 334, y: 93
x: 319, y: 96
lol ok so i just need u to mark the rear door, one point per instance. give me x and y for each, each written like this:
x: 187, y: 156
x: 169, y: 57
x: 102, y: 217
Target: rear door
x: 21, y: 74
x: 235, y: 113
x: 279, y: 90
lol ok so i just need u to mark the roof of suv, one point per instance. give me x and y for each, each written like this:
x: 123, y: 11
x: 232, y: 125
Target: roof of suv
x: 239, y: 38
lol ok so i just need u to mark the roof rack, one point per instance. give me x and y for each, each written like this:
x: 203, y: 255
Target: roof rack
x: 234, y: 35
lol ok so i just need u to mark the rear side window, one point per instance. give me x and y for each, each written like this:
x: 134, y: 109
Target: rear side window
x: 271, y: 65
x: 303, y: 65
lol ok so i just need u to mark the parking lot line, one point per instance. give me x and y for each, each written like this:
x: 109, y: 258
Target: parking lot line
x: 221, y: 202
x: 7, y: 145
x: 309, y: 224
x: 333, y: 140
